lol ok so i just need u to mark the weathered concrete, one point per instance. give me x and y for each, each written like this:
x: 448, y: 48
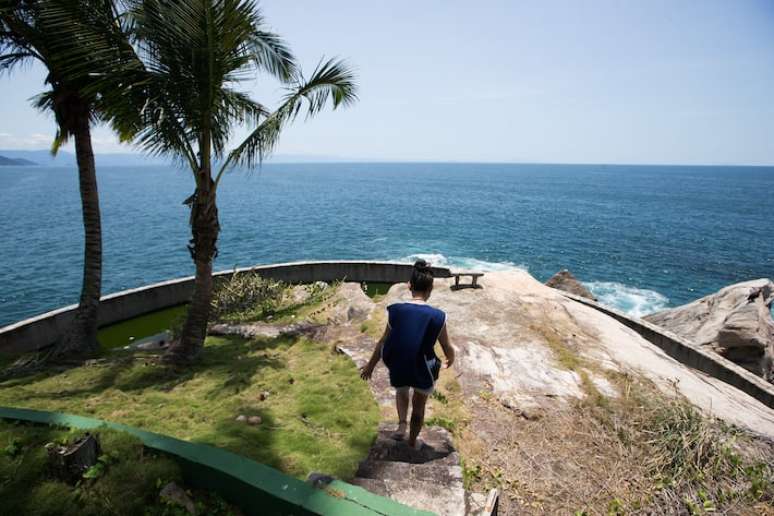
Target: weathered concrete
x: 690, y: 354
x: 43, y: 330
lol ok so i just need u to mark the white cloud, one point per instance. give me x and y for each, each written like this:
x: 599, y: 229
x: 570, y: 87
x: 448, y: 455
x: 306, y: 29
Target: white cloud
x: 102, y: 140
x: 28, y: 142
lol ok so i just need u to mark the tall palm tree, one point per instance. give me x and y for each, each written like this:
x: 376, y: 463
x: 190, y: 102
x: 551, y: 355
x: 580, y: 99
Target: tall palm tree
x: 53, y: 33
x: 195, y: 53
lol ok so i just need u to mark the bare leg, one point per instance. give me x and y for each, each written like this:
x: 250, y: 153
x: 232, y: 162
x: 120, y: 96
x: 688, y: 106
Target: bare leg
x: 401, y: 404
x: 418, y: 402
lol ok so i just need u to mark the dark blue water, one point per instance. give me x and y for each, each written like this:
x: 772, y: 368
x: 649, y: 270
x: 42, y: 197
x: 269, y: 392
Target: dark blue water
x: 641, y: 237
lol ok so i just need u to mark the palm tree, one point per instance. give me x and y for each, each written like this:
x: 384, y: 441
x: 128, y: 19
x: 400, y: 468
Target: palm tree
x: 195, y: 53
x: 53, y: 32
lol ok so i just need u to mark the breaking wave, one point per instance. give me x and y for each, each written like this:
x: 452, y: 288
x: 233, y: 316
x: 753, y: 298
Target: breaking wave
x: 440, y: 260
x: 633, y: 301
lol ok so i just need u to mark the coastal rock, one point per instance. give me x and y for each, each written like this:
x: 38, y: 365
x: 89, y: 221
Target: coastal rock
x: 734, y: 322
x: 530, y: 348
x: 299, y: 294
x: 352, y: 304
x: 564, y: 280
x: 534, y: 372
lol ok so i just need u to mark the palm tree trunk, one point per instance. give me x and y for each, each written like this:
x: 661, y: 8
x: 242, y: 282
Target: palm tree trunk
x: 204, y: 229
x: 81, y: 337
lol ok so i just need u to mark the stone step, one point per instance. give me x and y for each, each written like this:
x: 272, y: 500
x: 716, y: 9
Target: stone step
x: 428, y: 472
x: 428, y: 496
x: 437, y: 448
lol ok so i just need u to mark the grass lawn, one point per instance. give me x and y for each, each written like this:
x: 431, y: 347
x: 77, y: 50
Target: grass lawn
x: 318, y: 415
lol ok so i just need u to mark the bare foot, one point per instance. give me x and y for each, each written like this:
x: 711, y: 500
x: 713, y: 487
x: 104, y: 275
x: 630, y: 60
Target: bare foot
x: 400, y: 433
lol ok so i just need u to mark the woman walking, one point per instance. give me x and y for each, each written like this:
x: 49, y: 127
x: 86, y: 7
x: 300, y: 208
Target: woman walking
x: 408, y: 350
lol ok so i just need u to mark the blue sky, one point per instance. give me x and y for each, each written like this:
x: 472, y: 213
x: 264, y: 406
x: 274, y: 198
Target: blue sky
x: 545, y: 81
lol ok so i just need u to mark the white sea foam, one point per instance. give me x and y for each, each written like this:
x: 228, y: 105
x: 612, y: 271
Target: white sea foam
x: 631, y: 300
x: 458, y: 262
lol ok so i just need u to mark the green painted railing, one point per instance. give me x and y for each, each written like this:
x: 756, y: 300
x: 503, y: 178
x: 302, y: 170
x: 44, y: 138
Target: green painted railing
x: 255, y: 488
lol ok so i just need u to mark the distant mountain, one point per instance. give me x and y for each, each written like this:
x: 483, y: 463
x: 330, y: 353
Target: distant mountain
x: 129, y: 159
x: 67, y: 159
x: 15, y: 162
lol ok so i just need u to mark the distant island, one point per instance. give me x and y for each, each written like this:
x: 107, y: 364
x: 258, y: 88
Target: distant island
x: 16, y: 162
x: 42, y: 157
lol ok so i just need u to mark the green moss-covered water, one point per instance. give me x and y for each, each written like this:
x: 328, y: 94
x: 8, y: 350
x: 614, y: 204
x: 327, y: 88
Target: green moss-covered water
x: 124, y: 333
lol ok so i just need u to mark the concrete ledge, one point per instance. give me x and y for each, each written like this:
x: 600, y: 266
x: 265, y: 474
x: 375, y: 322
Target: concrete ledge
x: 255, y: 488
x: 43, y: 330
x: 690, y: 354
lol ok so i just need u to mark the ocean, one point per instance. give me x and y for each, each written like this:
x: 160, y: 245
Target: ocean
x: 642, y: 238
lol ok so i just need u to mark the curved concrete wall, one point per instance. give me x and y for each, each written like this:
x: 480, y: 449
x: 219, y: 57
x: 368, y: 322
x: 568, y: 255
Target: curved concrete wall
x: 691, y: 354
x: 43, y: 330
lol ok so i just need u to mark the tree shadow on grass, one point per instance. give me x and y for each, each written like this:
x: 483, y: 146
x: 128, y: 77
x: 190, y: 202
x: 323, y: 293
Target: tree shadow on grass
x: 233, y: 359
x: 105, y: 375
x: 255, y: 442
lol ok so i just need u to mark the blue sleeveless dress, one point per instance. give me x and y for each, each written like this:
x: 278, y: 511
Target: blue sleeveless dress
x: 409, y: 352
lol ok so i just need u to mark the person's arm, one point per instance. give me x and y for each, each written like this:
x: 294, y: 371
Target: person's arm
x: 446, y: 346
x: 368, y: 369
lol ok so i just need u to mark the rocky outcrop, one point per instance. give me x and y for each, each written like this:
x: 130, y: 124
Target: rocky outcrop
x: 734, y: 322
x: 533, y: 348
x: 564, y: 280
x: 351, y: 304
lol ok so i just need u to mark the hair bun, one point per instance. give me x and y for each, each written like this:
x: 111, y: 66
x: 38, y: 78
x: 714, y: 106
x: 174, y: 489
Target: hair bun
x: 421, y: 265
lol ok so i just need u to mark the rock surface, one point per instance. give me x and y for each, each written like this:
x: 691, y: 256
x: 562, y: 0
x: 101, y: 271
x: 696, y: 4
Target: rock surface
x: 429, y: 479
x: 734, y: 322
x: 564, y: 280
x: 516, y: 337
x: 351, y: 304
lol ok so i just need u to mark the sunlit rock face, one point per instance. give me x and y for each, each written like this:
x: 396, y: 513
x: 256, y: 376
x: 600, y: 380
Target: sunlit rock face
x: 531, y: 348
x: 734, y: 322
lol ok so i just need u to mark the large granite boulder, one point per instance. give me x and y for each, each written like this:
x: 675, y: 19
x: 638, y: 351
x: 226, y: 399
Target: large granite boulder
x: 734, y: 322
x: 564, y: 280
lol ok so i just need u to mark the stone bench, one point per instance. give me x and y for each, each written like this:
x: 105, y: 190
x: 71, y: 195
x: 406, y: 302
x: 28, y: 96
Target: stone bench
x: 473, y: 280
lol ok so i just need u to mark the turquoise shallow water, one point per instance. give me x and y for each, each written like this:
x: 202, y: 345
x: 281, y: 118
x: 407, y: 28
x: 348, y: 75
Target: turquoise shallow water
x: 642, y: 237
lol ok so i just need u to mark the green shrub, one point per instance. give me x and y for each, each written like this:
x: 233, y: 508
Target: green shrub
x: 246, y: 294
x: 125, y: 480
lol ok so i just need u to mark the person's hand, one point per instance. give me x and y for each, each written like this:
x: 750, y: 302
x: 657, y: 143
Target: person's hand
x: 449, y: 362
x: 367, y: 371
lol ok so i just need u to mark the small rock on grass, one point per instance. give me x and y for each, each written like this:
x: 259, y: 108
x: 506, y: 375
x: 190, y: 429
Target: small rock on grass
x: 263, y: 395
x: 176, y: 495
x: 254, y: 420
x: 241, y: 418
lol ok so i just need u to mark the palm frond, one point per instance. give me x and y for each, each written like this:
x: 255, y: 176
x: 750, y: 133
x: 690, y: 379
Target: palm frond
x: 332, y: 81
x: 12, y: 59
